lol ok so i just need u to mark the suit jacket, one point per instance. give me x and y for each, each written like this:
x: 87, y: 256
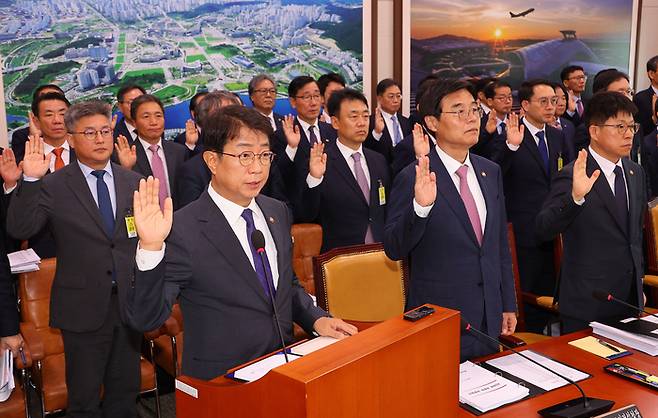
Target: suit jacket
x: 198, y: 147
x: 645, y: 112
x: 598, y: 254
x: 8, y: 301
x: 339, y: 205
x: 448, y: 267
x: 385, y: 144
x: 175, y: 156
x: 87, y: 259
x: 526, y: 181
x: 226, y: 314
x: 122, y: 129
x: 650, y: 162
x: 488, y: 144
x: 18, y: 140
x: 576, y: 119
x: 569, y: 147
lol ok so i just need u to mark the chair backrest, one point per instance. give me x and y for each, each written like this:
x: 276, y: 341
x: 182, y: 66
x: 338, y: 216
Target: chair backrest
x: 520, y: 320
x: 307, y: 241
x: 651, y: 226
x: 34, y: 292
x: 359, y: 283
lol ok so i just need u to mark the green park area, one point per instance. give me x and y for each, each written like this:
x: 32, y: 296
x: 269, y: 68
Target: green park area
x: 198, y: 80
x: 186, y: 45
x: 201, y: 40
x: 169, y: 93
x: 42, y: 75
x: 195, y: 58
x: 121, y: 49
x: 228, y: 51
x: 260, y: 57
x: 236, y: 86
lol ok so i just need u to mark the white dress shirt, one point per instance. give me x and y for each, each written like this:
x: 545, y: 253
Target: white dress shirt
x: 346, y: 152
x: 486, y: 108
x: 608, y: 170
x: 66, y: 154
x: 132, y: 130
x: 149, y: 155
x: 108, y: 178
x: 389, y: 125
x: 291, y: 152
x: 499, y: 128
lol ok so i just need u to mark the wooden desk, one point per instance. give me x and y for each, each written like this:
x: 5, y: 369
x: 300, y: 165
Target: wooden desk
x: 600, y: 385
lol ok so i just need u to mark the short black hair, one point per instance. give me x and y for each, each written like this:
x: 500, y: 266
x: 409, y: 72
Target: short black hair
x: 298, y: 83
x: 490, y: 89
x: 604, y: 78
x: 563, y: 88
x: 652, y: 64
x: 384, y: 85
x: 47, y: 96
x: 605, y: 105
x: 38, y: 90
x: 479, y: 84
x: 568, y: 70
x: 144, y: 98
x: 343, y: 95
x: 225, y: 124
x: 430, y: 103
x: 194, y: 101
x: 126, y: 88
x: 527, y: 89
x: 424, y: 84
x: 325, y: 79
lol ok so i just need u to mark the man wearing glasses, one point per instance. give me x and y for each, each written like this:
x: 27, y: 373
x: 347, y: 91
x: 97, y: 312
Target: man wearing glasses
x: 575, y: 80
x: 499, y: 99
x: 210, y: 263
x: 86, y: 205
x: 387, y: 125
x: 262, y: 92
x: 598, y: 204
x: 447, y: 215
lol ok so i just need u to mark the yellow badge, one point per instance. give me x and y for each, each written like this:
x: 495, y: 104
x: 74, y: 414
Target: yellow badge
x: 560, y: 162
x: 130, y: 226
x: 382, y: 194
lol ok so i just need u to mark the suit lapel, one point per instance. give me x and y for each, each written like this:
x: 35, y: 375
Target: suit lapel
x: 602, y: 189
x: 344, y: 170
x: 554, y: 149
x: 78, y: 184
x: 632, y: 184
x: 123, y: 197
x: 142, y: 159
x: 375, y: 181
x: 304, y: 144
x: 170, y: 160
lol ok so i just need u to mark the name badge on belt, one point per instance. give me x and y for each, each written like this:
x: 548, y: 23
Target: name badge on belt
x: 130, y: 225
x: 560, y: 163
x: 382, y: 194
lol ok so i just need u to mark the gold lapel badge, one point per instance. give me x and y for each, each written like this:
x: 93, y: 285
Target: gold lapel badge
x: 630, y: 172
x: 271, y: 219
x: 483, y: 174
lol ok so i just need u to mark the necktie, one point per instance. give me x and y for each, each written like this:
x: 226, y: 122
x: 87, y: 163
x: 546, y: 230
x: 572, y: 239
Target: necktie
x: 469, y: 202
x: 503, y: 126
x: 397, y: 137
x: 579, y: 107
x: 104, y: 202
x: 558, y: 125
x: 312, y: 138
x: 159, y: 173
x: 59, y: 162
x: 248, y: 216
x: 543, y: 150
x: 362, y: 181
x: 620, y: 197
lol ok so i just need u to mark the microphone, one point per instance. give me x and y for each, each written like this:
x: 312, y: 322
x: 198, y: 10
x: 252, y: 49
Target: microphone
x: 258, y: 241
x: 582, y: 407
x: 608, y: 297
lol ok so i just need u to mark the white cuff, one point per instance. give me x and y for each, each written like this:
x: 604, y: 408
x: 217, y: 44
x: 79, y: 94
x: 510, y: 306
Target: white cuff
x: 147, y: 260
x: 190, y: 146
x: 312, y: 181
x: 291, y: 152
x: 422, y: 211
x: 376, y: 135
x: 579, y: 202
x: 512, y: 147
x: 30, y: 179
x: 9, y: 190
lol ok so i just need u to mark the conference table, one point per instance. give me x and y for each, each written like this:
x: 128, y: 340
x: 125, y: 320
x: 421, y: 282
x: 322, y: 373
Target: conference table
x: 601, y: 385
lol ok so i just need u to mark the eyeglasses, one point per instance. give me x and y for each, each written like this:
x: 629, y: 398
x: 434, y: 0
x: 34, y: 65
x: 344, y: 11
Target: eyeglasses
x: 90, y: 134
x: 309, y: 97
x: 507, y: 98
x: 246, y: 158
x: 628, y: 92
x: 464, y: 114
x: 544, y: 101
x: 266, y: 91
x: 622, y: 127
x: 579, y: 78
x: 393, y: 96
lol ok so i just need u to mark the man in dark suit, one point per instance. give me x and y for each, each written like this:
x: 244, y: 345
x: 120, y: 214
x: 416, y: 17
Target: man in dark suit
x: 347, y: 188
x: 499, y: 99
x: 598, y: 205
x: 575, y: 80
x: 190, y: 137
x: 262, y: 92
x: 650, y: 159
x: 328, y: 84
x: 387, y: 125
x: 447, y: 215
x: 210, y: 263
x: 529, y: 162
x: 10, y: 338
x: 150, y: 155
x: 564, y: 102
x: 645, y: 100
x: 126, y: 125
x: 86, y: 205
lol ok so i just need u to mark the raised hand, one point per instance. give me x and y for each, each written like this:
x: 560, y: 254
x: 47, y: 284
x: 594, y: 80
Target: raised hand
x: 379, y: 121
x: 115, y: 118
x: 654, y: 116
x: 582, y: 184
x: 33, y: 125
x: 35, y: 164
x: 127, y: 154
x: 421, y: 141
x: 191, y: 133
x: 492, y: 122
x: 291, y: 131
x: 317, y: 163
x: 9, y: 171
x: 425, y: 187
x: 514, y: 129
x: 571, y: 102
x: 153, y: 225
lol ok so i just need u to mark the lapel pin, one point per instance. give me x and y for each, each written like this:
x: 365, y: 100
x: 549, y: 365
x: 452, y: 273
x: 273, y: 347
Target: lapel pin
x: 630, y: 172
x: 483, y: 174
x: 271, y: 219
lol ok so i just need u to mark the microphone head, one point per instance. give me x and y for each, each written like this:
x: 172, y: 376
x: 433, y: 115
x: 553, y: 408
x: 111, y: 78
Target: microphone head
x: 258, y: 240
x: 602, y: 296
x: 465, y: 326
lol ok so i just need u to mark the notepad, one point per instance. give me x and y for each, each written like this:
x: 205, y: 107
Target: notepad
x: 312, y: 345
x: 592, y: 345
x: 485, y: 390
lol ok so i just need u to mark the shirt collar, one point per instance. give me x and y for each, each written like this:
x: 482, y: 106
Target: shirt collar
x: 386, y: 115
x: 533, y: 129
x: 607, y: 166
x: 486, y: 108
x: 305, y: 126
x: 47, y: 148
x: 655, y: 89
x: 231, y: 210
x: 146, y: 145
x: 450, y: 163
x: 86, y: 170
x: 131, y: 128
x: 347, y: 151
x: 499, y: 120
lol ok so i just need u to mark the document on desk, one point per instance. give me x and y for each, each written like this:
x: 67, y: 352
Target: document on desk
x: 485, y: 390
x: 260, y: 368
x: 312, y: 345
x: 6, y: 374
x: 643, y: 343
x: 520, y: 367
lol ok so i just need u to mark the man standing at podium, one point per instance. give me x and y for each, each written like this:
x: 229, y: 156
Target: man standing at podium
x: 447, y: 215
x: 210, y: 263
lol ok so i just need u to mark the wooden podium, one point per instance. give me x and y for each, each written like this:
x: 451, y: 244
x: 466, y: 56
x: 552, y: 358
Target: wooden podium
x: 394, y: 369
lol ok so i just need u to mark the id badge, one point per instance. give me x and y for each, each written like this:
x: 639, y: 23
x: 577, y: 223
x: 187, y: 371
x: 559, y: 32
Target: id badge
x: 130, y: 225
x: 382, y: 194
x: 560, y: 163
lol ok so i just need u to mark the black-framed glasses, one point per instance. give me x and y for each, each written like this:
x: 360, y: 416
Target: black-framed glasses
x: 246, y: 158
x: 464, y: 114
x: 266, y: 91
x: 90, y: 134
x: 622, y: 127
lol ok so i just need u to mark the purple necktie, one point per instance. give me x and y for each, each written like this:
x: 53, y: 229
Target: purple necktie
x: 159, y: 173
x: 469, y: 202
x: 263, y: 275
x: 365, y: 189
x: 312, y: 138
x: 579, y: 107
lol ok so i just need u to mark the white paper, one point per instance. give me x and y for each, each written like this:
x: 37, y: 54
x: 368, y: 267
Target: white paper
x: 259, y: 369
x: 485, y: 390
x: 22, y: 258
x: 25, y: 268
x: 185, y: 388
x: 6, y: 375
x: 524, y: 369
x: 639, y: 342
x: 312, y: 345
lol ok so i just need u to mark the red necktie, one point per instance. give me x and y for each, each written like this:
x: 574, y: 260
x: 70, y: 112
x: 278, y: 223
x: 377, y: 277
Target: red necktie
x: 59, y: 162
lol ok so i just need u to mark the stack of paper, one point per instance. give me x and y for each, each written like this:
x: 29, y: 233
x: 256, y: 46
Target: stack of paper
x: 313, y: 345
x: 484, y: 390
x: 639, y: 342
x: 6, y: 374
x: 260, y: 368
x: 24, y: 261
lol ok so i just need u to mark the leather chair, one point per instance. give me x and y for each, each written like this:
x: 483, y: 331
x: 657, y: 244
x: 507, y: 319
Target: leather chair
x: 17, y: 406
x: 360, y: 284
x: 48, y: 371
x: 168, y: 343
x: 307, y: 241
x: 651, y: 238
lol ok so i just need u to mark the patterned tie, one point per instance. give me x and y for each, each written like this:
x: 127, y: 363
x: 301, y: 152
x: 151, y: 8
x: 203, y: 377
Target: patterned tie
x: 104, y: 202
x: 503, y: 126
x: 620, y: 196
x: 469, y: 202
x: 579, y: 107
x: 312, y: 138
x: 248, y: 216
x: 543, y: 150
x: 362, y: 181
x: 59, y: 162
x: 397, y: 137
x: 159, y: 173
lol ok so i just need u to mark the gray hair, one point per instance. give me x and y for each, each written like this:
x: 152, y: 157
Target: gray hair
x: 213, y: 101
x: 84, y: 109
x: 257, y: 80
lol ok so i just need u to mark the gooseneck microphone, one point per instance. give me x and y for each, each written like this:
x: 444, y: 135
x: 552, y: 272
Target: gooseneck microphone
x: 608, y: 297
x: 258, y: 241
x: 582, y: 407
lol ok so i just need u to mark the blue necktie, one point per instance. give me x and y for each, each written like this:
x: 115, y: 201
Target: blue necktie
x: 104, y: 202
x: 248, y: 216
x: 543, y: 150
x: 503, y: 126
x: 396, y: 127
x: 620, y: 197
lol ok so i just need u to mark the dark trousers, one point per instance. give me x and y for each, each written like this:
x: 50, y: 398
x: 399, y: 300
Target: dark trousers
x: 537, y: 274
x: 108, y: 357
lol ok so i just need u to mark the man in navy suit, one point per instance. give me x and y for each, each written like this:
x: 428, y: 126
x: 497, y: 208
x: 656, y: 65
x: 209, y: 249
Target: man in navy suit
x: 575, y: 80
x: 499, y: 99
x: 347, y: 187
x: 650, y: 158
x: 126, y: 125
x: 210, y: 264
x: 190, y: 137
x: 564, y: 103
x: 645, y: 100
x: 328, y: 84
x: 262, y: 92
x: 447, y: 216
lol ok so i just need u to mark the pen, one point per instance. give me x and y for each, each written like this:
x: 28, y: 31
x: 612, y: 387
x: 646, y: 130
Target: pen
x: 20, y: 350
x: 605, y: 344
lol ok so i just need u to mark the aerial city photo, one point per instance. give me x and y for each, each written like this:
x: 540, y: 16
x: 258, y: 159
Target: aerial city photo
x: 173, y: 48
